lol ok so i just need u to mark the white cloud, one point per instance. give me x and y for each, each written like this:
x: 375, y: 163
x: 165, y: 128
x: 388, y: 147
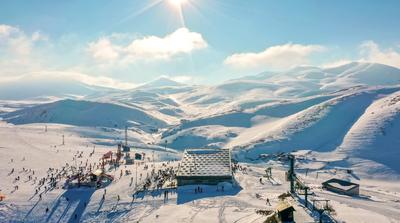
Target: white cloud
x: 6, y: 30
x: 38, y: 36
x: 147, y: 48
x: 275, y: 57
x: 103, y: 49
x: 371, y: 52
x: 101, y: 81
x: 180, y: 41
x: 18, y: 51
x: 16, y: 41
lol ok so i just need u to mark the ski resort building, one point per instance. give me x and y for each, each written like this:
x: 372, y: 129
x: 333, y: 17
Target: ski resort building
x: 204, y: 166
x: 285, y: 212
x: 342, y: 187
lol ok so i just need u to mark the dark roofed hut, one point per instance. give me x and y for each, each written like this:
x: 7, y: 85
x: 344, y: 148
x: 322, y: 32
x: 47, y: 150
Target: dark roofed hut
x: 285, y: 212
x: 205, y: 166
x: 342, y: 187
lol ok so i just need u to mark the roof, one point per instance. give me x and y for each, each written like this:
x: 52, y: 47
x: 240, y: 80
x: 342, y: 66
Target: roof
x: 340, y: 184
x: 205, y: 162
x: 107, y: 155
x: 282, y: 206
x: 97, y: 172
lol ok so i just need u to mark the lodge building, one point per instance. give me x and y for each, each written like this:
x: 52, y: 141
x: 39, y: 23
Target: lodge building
x: 205, y: 166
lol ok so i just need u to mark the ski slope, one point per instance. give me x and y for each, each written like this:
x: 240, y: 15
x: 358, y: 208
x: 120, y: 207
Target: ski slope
x: 334, y: 119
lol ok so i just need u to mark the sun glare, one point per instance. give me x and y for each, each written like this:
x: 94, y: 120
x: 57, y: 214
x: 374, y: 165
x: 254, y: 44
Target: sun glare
x: 177, y: 3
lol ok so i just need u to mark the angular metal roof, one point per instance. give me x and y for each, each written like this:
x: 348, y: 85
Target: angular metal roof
x: 340, y: 184
x: 205, y: 162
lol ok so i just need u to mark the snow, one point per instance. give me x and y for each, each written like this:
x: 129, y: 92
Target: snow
x: 38, y: 148
x: 341, y: 122
x: 84, y: 113
x: 377, y: 129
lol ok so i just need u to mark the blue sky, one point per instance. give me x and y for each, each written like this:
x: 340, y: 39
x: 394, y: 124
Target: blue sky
x: 202, y: 41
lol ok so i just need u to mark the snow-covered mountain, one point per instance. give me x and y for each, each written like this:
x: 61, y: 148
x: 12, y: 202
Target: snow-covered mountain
x: 86, y: 113
x: 43, y: 88
x: 376, y: 136
x: 321, y: 109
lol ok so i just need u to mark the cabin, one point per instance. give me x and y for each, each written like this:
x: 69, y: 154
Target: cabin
x: 128, y: 159
x: 204, y: 166
x: 342, y: 187
x: 285, y: 212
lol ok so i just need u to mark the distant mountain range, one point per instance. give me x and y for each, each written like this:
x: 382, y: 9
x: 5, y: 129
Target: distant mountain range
x: 352, y: 110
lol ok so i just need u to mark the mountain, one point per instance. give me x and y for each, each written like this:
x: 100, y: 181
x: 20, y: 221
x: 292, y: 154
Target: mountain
x: 299, y: 82
x: 375, y: 137
x: 31, y: 87
x: 86, y: 113
x: 325, y: 110
x: 164, y: 85
x: 370, y: 74
x: 161, y: 82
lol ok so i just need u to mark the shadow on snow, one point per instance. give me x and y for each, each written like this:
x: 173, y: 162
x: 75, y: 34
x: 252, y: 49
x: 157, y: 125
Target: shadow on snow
x: 188, y: 193
x: 70, y: 205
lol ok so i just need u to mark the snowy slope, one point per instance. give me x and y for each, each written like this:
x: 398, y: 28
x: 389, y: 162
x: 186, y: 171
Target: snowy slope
x: 319, y: 128
x: 340, y: 116
x: 86, y: 113
x: 363, y: 74
x: 376, y: 136
x: 305, y: 107
x: 303, y: 81
x: 32, y: 148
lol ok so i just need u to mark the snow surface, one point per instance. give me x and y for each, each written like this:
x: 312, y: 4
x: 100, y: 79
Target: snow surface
x: 341, y: 122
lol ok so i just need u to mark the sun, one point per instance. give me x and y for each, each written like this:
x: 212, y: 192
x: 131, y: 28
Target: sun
x: 177, y: 3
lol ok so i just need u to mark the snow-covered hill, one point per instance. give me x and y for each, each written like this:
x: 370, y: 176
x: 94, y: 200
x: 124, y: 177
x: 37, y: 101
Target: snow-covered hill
x: 86, y: 113
x: 344, y: 122
x: 47, y: 87
x: 305, y: 107
x: 376, y: 137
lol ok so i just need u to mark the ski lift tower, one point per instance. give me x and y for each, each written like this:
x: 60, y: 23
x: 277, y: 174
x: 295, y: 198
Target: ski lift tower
x: 125, y: 147
x: 291, y: 175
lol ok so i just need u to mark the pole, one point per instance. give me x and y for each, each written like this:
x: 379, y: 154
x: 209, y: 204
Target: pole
x: 305, y: 196
x: 153, y: 157
x: 63, y: 142
x: 126, y: 135
x: 291, y: 173
x: 76, y: 167
x: 136, y: 177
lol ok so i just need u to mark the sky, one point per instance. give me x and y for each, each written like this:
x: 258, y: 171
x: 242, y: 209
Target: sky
x: 125, y: 43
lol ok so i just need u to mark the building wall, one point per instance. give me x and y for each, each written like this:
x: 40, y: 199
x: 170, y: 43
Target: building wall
x: 353, y: 192
x: 209, y: 180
